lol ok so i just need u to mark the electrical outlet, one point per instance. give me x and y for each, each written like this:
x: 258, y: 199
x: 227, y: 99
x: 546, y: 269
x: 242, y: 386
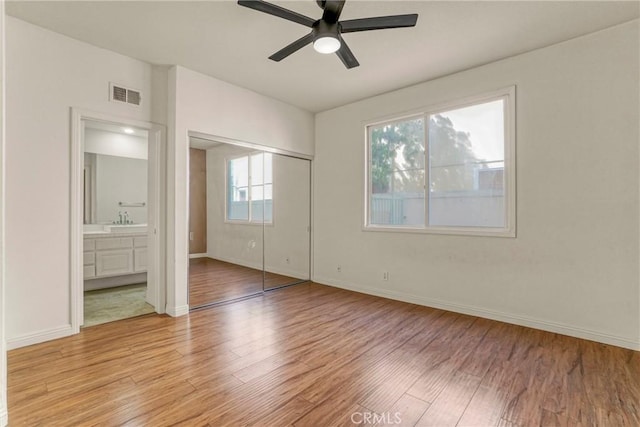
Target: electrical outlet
x: 385, y: 275
x: 339, y: 269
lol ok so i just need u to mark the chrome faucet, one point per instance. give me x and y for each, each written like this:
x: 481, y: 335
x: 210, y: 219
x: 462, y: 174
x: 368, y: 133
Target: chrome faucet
x: 123, y: 219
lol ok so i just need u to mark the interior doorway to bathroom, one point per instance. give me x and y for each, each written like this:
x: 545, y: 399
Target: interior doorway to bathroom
x: 116, y: 220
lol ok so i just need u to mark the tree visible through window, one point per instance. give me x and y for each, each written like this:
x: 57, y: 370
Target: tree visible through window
x: 250, y: 188
x: 440, y: 169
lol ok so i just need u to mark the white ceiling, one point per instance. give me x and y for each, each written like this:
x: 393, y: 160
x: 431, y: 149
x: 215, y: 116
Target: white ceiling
x: 232, y: 43
x: 114, y: 128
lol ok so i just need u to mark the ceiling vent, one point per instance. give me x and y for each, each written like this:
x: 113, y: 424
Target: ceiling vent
x: 119, y: 93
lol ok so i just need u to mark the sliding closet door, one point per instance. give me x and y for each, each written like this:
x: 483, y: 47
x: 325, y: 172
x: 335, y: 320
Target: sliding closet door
x: 233, y: 265
x: 287, y: 222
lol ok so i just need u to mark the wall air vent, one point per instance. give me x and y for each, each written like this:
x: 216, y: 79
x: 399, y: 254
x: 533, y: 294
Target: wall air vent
x: 119, y: 93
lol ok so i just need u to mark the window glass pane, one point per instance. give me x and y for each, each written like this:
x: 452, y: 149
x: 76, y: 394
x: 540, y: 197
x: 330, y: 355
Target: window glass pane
x: 238, y: 189
x: 257, y: 210
x: 397, y: 173
x: 466, y: 166
x: 268, y: 169
x: 268, y: 188
x: 268, y: 203
x: 257, y: 170
x: 257, y: 192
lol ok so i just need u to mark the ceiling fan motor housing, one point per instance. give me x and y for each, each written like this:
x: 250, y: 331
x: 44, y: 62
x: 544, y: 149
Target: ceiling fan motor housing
x: 323, y: 28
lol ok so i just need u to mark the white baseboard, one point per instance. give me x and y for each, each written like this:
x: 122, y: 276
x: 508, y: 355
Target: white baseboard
x: 515, y: 319
x: 191, y: 256
x: 4, y: 417
x: 286, y: 272
x: 38, y: 337
x: 115, y: 281
x: 276, y: 270
x: 237, y: 261
x: 177, y: 311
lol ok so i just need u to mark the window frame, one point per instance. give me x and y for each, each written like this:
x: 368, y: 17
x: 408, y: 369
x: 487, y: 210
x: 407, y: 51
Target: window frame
x: 508, y: 95
x: 227, y: 220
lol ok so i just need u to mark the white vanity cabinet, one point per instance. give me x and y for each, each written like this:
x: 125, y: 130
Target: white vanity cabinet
x: 89, y: 260
x: 140, y: 254
x: 106, y: 255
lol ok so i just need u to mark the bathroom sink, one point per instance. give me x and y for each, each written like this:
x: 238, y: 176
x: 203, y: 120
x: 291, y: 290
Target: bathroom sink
x: 94, y: 229
x: 114, y: 228
x: 126, y: 228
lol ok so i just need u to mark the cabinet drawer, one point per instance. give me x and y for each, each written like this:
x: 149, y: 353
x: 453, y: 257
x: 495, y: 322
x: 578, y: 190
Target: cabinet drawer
x: 140, y: 260
x: 89, y: 271
x: 116, y: 243
x: 89, y: 244
x: 89, y: 258
x: 140, y: 242
x: 111, y: 263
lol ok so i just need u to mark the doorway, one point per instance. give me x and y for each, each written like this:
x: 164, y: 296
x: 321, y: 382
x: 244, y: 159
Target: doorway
x: 249, y: 220
x: 115, y: 222
x: 116, y: 199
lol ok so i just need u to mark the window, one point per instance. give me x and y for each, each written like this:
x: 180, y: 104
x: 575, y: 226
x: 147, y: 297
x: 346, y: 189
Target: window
x: 250, y: 188
x: 447, y: 170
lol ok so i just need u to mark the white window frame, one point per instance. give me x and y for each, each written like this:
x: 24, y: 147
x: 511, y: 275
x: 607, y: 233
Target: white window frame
x: 250, y: 221
x: 507, y: 94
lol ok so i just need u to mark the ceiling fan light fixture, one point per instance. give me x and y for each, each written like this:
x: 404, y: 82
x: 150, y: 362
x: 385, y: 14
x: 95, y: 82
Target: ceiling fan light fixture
x: 326, y: 44
x: 326, y: 32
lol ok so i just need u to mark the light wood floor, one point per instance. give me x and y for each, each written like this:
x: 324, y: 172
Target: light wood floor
x: 211, y: 280
x: 311, y: 355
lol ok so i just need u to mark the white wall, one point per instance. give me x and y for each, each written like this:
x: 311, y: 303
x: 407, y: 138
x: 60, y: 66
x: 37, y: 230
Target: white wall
x: 574, y: 266
x: 286, y: 238
x: 48, y: 74
x: 120, y: 179
x: 115, y: 144
x: 3, y: 344
x: 204, y: 104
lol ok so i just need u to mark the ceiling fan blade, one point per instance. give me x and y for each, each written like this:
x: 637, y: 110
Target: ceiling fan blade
x: 281, y: 12
x: 332, y: 11
x: 378, y: 23
x: 346, y: 56
x: 293, y: 47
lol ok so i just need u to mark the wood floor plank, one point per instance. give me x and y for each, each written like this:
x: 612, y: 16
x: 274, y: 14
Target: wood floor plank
x: 252, y: 401
x: 447, y: 409
x: 407, y: 411
x: 335, y: 411
x: 359, y: 374
x: 285, y: 414
x: 212, y: 280
x: 312, y: 355
x: 442, y: 363
x: 488, y: 402
x: 263, y: 367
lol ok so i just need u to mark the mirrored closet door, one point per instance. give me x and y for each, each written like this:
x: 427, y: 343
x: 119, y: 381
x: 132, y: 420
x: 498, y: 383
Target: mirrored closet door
x: 249, y: 221
x: 287, y: 233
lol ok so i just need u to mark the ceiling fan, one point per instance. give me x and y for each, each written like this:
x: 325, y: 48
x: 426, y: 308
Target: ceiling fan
x: 326, y: 32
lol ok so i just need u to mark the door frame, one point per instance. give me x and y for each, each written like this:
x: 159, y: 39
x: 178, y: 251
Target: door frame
x: 156, y: 281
